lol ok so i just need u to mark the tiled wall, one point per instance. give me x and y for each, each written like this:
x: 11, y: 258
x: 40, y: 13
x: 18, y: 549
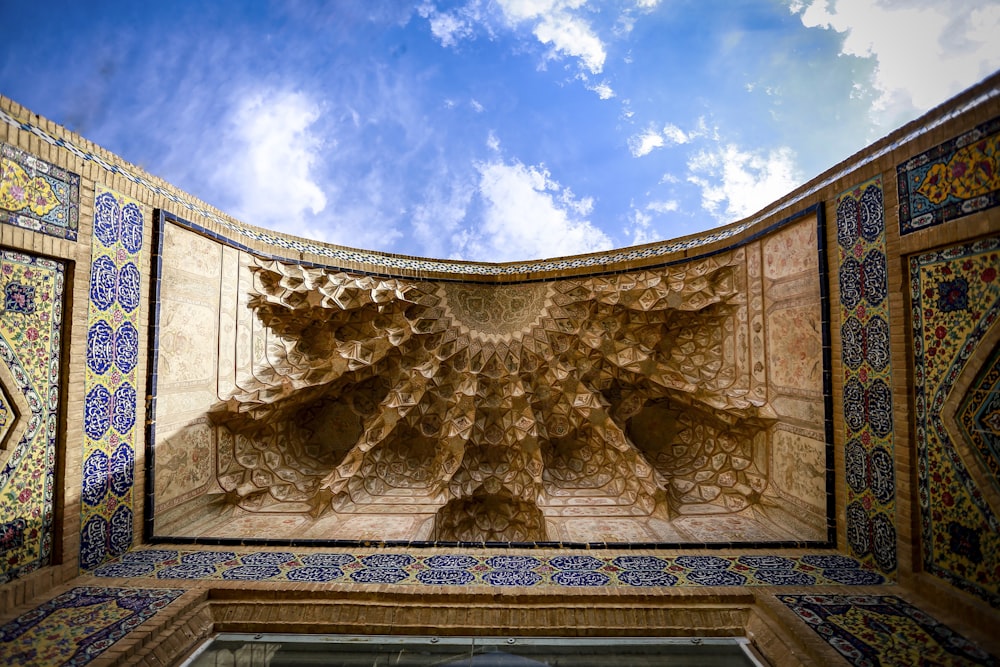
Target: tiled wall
x: 867, y: 375
x: 31, y: 312
x: 112, y: 386
x: 955, y: 294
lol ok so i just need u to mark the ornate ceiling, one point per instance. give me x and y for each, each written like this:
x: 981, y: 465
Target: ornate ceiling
x: 626, y: 407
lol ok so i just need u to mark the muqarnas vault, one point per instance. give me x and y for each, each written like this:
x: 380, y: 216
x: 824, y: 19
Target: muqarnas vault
x: 681, y: 403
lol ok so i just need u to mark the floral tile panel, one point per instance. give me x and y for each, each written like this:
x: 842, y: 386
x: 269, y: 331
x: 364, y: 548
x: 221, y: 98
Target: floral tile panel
x: 37, y: 195
x: 884, y: 630
x: 31, y: 311
x: 112, y: 384
x: 569, y: 570
x: 951, y: 180
x: 955, y: 295
x: 74, y: 628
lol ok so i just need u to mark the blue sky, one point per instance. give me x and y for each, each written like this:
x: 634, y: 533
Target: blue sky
x: 492, y: 130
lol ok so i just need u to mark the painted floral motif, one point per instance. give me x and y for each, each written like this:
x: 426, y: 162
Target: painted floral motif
x: 111, y: 398
x: 867, y: 393
x: 37, y: 195
x: 956, y: 178
x: 77, y: 626
x: 565, y: 569
x: 960, y: 532
x: 30, y: 342
x: 884, y: 630
x: 19, y: 298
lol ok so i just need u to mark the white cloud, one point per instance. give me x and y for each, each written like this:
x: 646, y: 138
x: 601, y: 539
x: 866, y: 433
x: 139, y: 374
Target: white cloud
x: 556, y: 22
x: 476, y: 105
x: 448, y: 28
x: 272, y: 153
x: 736, y: 183
x: 926, y: 51
x: 647, y: 4
x: 603, y: 90
x: 493, y: 142
x: 527, y: 214
x: 675, y: 134
x: 639, y: 229
x: 645, y: 142
x: 665, y: 206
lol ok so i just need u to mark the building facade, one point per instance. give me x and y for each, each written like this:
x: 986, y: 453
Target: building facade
x: 786, y: 429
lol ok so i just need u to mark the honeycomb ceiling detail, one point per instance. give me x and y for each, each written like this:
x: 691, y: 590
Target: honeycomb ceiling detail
x: 496, y: 405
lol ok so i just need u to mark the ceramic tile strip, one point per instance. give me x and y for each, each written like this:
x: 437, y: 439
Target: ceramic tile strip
x: 31, y: 312
x: 953, y: 179
x: 867, y: 376
x: 884, y: 630
x: 570, y: 569
x: 111, y: 382
x: 956, y: 302
x: 37, y: 195
x: 77, y: 626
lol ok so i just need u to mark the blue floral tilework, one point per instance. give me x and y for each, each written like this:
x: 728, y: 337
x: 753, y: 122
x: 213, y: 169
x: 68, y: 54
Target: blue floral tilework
x: 870, y: 630
x: 867, y: 375
x: 503, y: 570
x: 77, y: 626
x: 111, y: 379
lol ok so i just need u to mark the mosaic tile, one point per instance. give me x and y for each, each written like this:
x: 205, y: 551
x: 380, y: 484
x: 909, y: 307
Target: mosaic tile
x: 955, y: 297
x: 979, y: 418
x: 30, y: 348
x: 111, y: 381
x: 457, y: 569
x: 37, y: 195
x: 953, y: 179
x: 870, y: 630
x: 867, y: 378
x: 76, y: 627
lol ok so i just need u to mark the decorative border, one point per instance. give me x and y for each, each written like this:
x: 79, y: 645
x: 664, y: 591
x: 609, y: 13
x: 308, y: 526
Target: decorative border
x: 867, y: 378
x: 955, y: 301
x: 884, y: 630
x: 76, y: 627
x: 26, y: 173
x: 111, y: 394
x: 31, y: 350
x: 951, y: 180
x: 580, y: 569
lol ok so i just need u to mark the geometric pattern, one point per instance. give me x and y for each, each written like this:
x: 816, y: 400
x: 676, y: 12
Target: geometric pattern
x: 979, y: 418
x: 31, y: 309
x: 869, y: 630
x: 956, y: 178
x: 76, y: 627
x: 867, y: 379
x: 956, y: 300
x: 581, y: 569
x: 37, y: 195
x: 111, y: 384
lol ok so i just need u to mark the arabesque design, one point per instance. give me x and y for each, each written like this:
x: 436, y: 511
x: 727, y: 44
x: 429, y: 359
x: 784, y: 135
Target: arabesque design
x: 593, y: 568
x: 77, y: 626
x: 37, y: 195
x: 112, y: 382
x: 30, y: 351
x: 884, y: 630
x: 956, y: 178
x: 867, y: 378
x: 956, y: 302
